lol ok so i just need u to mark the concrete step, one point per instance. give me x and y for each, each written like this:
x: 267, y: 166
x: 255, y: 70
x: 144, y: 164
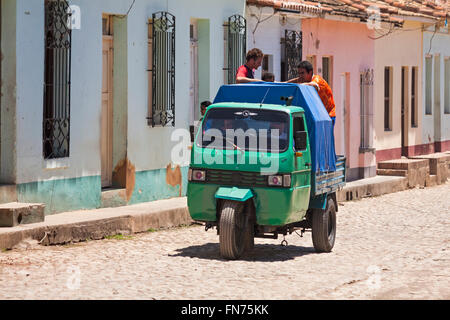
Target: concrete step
x: 15, y: 213
x: 439, y: 165
x: 113, y: 198
x: 403, y: 164
x: 432, y: 180
x: 392, y: 172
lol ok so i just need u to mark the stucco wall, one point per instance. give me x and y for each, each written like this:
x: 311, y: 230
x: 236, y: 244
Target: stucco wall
x: 8, y: 95
x: 401, y: 48
x: 147, y: 148
x: 265, y: 28
x: 437, y: 45
x: 353, y: 52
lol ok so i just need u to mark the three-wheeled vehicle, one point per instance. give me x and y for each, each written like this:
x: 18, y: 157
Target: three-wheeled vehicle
x: 263, y: 164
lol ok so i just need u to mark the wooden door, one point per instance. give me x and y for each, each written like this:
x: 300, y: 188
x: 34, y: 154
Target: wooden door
x: 194, y: 81
x: 404, y: 112
x: 107, y: 111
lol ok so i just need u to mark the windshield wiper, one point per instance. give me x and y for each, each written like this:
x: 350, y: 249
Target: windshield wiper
x: 234, y: 145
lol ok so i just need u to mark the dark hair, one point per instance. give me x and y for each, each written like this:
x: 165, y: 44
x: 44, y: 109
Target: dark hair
x: 305, y: 65
x: 268, y: 76
x: 205, y: 104
x: 254, y: 53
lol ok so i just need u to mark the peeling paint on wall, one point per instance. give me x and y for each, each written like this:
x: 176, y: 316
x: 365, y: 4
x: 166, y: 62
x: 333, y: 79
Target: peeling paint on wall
x: 124, y: 175
x: 173, y: 177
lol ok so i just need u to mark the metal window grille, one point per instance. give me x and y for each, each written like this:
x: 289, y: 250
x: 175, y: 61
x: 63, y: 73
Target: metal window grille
x: 366, y: 87
x: 293, y: 52
x: 163, y: 70
x: 56, y: 120
x: 237, y: 45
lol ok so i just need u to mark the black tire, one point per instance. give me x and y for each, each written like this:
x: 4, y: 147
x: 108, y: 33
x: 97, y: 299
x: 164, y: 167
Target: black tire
x: 249, y: 237
x: 233, y: 235
x: 324, y: 227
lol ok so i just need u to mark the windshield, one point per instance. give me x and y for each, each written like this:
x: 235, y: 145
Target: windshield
x: 245, y: 129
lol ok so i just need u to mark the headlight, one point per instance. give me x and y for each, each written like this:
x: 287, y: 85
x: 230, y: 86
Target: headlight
x: 198, y: 175
x: 275, y: 181
x: 189, y: 174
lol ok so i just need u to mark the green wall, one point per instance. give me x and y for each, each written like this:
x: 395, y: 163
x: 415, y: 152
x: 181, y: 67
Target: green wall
x: 85, y: 193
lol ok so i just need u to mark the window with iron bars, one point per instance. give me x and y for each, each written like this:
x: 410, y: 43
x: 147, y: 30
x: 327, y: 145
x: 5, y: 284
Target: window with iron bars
x: 235, y: 44
x: 292, y: 46
x: 162, y: 73
x: 366, y: 111
x: 58, y: 42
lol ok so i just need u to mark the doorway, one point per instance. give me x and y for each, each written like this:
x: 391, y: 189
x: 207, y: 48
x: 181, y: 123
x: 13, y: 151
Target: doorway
x: 200, y: 66
x: 106, y: 138
x: 437, y: 103
x: 194, y: 83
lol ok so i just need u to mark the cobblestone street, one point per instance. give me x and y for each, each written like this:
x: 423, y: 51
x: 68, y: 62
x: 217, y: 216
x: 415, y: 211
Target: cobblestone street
x: 392, y: 247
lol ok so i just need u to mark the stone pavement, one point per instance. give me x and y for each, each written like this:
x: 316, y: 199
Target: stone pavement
x: 97, y: 224
x: 396, y: 246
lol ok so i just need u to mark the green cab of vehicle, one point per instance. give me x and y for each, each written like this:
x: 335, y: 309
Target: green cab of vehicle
x: 256, y: 156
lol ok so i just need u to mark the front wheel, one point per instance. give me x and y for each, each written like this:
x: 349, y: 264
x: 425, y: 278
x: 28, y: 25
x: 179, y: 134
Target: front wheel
x: 324, y: 227
x: 233, y: 235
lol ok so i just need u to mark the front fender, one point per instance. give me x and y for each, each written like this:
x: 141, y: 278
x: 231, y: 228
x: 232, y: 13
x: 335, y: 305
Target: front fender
x: 233, y: 193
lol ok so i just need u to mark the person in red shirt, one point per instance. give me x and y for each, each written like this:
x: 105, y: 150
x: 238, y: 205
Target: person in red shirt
x: 245, y: 73
x: 306, y: 76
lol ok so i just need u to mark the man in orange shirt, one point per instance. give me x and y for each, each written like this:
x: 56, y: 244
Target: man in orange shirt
x: 306, y: 76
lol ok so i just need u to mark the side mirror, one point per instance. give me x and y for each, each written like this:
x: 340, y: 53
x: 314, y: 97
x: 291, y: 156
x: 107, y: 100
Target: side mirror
x: 301, y: 140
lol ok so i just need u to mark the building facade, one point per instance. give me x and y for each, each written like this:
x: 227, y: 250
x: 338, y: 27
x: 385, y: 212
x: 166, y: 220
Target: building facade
x: 386, y: 63
x: 93, y: 107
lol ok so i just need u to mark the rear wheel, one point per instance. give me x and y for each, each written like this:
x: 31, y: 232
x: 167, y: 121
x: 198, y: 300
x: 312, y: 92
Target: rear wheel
x: 234, y: 234
x: 324, y: 227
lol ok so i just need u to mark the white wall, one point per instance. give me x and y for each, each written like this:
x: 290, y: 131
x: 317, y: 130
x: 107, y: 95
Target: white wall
x: 397, y: 50
x: 148, y: 148
x: 267, y: 34
x: 437, y: 45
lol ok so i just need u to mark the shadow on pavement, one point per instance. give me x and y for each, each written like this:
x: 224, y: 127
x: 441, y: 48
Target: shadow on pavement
x: 261, y: 252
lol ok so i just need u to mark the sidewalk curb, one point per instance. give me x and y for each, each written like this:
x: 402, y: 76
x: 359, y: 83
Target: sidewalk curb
x: 111, y: 221
x: 372, y: 187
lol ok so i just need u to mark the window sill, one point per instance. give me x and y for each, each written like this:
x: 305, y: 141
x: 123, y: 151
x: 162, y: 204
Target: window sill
x: 387, y: 130
x: 56, y: 164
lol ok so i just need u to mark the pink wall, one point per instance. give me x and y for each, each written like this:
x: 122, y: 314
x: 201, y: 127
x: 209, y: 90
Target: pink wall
x: 353, y: 52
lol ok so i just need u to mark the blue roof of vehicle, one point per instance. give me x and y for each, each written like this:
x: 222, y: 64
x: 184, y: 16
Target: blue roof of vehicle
x: 320, y: 127
x: 275, y: 107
